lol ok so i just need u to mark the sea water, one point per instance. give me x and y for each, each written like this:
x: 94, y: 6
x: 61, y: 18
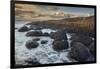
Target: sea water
x: 44, y: 53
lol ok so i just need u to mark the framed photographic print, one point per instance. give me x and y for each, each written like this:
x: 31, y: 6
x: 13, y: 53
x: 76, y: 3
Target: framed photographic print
x: 52, y: 34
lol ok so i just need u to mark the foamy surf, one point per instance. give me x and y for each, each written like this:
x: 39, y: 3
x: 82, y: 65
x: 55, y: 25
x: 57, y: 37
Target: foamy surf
x: 44, y: 53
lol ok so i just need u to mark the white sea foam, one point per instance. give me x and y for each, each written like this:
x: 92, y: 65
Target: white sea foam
x: 48, y: 30
x: 68, y: 37
x: 44, y: 52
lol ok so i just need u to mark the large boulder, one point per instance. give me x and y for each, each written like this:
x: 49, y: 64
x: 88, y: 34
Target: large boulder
x: 23, y: 29
x: 31, y: 44
x: 59, y: 35
x: 60, y: 45
x: 34, y: 33
x: 86, y: 40
x: 80, y: 52
x: 92, y: 48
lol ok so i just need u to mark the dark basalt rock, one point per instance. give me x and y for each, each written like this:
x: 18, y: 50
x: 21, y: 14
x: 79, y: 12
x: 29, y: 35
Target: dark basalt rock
x: 80, y: 52
x: 31, y: 61
x: 23, y: 29
x: 60, y: 45
x: 92, y: 48
x: 59, y: 35
x: 31, y: 44
x: 36, y: 39
x: 44, y: 41
x: 46, y: 34
x: 34, y: 33
x: 34, y: 27
x: 86, y: 40
x: 92, y: 34
x: 91, y: 58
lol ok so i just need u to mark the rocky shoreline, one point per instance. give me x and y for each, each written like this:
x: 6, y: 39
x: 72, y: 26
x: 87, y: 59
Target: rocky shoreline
x: 80, y: 49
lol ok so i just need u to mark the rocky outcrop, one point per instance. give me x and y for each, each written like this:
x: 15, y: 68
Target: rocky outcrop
x: 60, y: 40
x: 86, y: 40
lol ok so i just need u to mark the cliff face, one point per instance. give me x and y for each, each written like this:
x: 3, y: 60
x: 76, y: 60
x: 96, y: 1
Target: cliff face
x: 79, y: 24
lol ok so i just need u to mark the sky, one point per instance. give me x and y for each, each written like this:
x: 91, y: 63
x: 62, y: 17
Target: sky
x: 78, y: 10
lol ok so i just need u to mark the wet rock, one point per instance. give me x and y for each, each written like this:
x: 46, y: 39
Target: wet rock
x: 34, y: 33
x: 46, y: 34
x: 36, y: 39
x: 31, y: 44
x: 92, y: 34
x: 44, y: 41
x: 86, y: 40
x: 33, y: 27
x: 60, y: 45
x: 80, y: 52
x: 59, y: 35
x: 91, y: 58
x: 31, y: 61
x: 92, y: 48
x: 23, y: 29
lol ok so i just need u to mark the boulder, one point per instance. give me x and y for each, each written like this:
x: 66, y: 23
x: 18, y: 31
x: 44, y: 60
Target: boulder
x: 31, y: 44
x: 36, y: 39
x: 92, y: 34
x: 92, y: 48
x: 34, y: 27
x: 91, y: 58
x: 59, y: 35
x: 44, y: 41
x: 79, y: 52
x: 60, y: 45
x: 34, y: 33
x: 46, y: 34
x: 31, y: 61
x: 23, y: 29
x: 86, y: 40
